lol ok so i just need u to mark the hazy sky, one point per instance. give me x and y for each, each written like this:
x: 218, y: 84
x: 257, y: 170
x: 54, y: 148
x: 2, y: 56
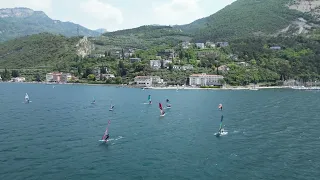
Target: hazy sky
x: 122, y: 14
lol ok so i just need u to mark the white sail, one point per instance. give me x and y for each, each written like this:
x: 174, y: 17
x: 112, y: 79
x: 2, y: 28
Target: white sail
x: 26, y: 97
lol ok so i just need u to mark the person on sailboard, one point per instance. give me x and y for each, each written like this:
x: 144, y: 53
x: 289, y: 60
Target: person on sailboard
x: 220, y: 107
x: 149, y: 98
x: 107, y: 137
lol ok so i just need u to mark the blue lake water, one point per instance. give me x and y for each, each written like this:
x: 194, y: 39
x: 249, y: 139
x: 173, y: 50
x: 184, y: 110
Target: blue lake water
x: 272, y: 134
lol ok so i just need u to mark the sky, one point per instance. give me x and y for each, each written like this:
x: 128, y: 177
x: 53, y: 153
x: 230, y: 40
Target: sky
x: 122, y: 14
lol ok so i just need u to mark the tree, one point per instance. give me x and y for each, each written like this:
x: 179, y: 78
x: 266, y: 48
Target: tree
x: 103, y: 70
x: 118, y: 80
x: 122, y: 53
x: 170, y: 66
x: 91, y: 77
x: 6, y: 75
x: 162, y: 64
x: 15, y: 73
x: 37, y: 77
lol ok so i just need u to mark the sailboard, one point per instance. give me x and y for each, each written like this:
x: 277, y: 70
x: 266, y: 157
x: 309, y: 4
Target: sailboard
x: 221, y: 131
x: 103, y: 139
x: 162, y: 113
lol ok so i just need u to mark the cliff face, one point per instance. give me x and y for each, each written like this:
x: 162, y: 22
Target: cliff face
x: 309, y: 6
x: 84, y: 47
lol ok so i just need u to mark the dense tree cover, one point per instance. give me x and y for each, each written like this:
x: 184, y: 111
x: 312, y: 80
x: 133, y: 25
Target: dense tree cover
x: 143, y: 37
x: 41, y: 50
x: 250, y: 60
x: 243, y: 18
x: 36, y: 22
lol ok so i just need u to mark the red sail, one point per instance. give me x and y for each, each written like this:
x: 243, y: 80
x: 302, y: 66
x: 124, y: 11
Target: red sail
x: 160, y: 106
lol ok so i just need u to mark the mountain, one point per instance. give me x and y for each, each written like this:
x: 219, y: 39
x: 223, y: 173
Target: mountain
x: 101, y: 30
x: 18, y: 22
x: 245, y: 18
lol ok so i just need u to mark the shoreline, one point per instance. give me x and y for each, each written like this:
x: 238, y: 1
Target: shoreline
x: 158, y: 88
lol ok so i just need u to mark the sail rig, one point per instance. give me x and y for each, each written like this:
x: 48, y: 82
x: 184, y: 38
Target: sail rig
x: 26, y: 97
x: 161, y: 109
x: 106, y: 132
x: 221, y: 123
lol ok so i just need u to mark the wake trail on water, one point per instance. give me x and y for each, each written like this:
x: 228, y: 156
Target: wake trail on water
x: 116, y: 139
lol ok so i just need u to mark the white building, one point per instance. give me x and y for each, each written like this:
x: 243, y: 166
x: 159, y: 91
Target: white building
x: 166, y: 62
x: 108, y: 76
x: 185, y: 45
x: 18, y: 79
x: 155, y: 64
x: 147, y: 81
x: 205, y: 80
x: 58, y: 77
x: 210, y: 44
x: 176, y: 67
x: 187, y: 67
x: 200, y: 45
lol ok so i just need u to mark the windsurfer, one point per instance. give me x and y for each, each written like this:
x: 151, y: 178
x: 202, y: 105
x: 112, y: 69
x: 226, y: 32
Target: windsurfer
x: 220, y: 107
x: 168, y: 105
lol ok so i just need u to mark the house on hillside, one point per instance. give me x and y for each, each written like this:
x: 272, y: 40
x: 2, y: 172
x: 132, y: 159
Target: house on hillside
x: 200, y: 45
x: 155, y: 64
x: 210, y: 44
x: 187, y: 67
x: 275, y: 47
x: 167, y: 53
x: 176, y: 67
x: 205, y: 53
x: 223, y: 68
x: 222, y: 44
x: 185, y: 45
x: 166, y: 62
x: 107, y: 76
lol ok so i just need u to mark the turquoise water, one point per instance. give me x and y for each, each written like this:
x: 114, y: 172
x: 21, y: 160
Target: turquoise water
x: 272, y: 134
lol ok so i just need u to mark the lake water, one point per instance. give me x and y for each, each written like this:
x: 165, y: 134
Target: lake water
x: 273, y: 134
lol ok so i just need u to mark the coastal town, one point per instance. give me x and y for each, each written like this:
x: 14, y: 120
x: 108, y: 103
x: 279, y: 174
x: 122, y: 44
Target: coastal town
x: 169, y: 60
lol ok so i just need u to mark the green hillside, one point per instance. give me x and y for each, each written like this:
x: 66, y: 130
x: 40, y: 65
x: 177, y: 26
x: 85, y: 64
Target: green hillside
x: 19, y: 22
x: 37, y: 51
x: 245, y: 18
x: 142, y: 37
